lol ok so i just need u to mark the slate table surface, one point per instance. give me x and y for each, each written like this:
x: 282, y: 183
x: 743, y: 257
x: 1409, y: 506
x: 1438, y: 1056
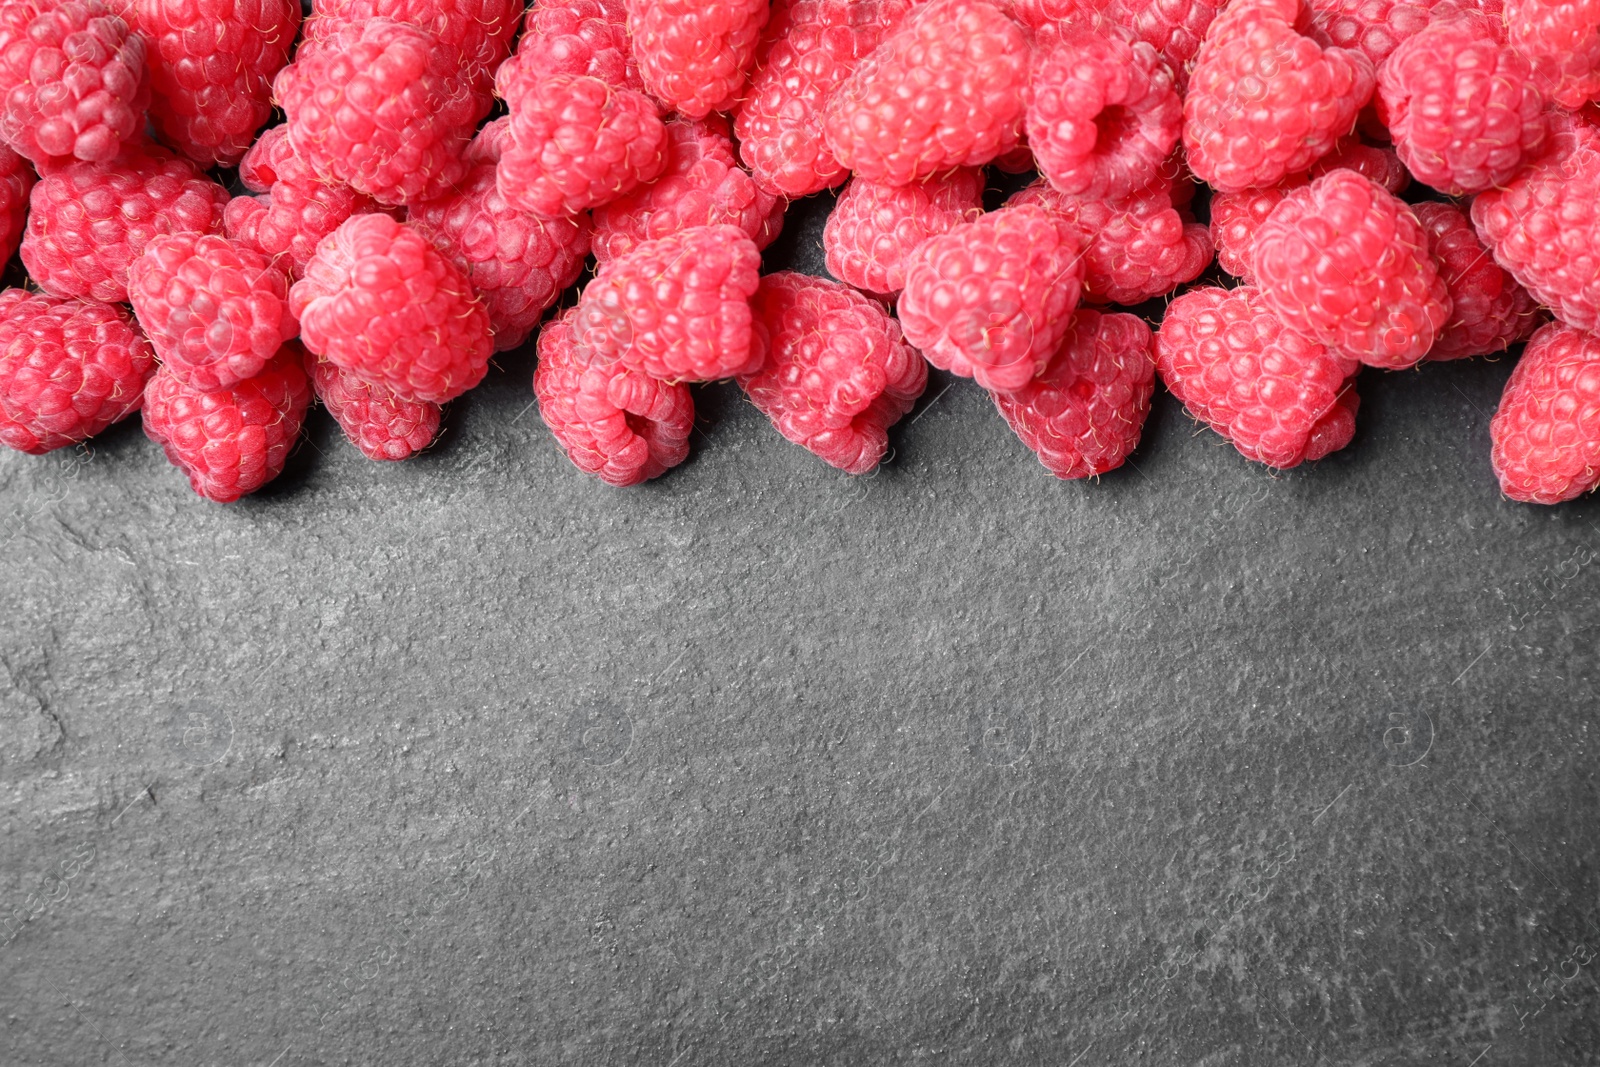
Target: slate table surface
x: 475, y: 760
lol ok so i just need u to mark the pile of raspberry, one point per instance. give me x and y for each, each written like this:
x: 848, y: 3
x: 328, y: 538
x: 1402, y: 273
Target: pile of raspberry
x: 1298, y: 188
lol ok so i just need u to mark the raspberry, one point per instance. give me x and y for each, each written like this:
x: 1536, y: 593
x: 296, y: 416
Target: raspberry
x: 945, y: 89
x: 575, y: 143
x: 16, y: 182
x: 1544, y: 227
x: 1462, y: 107
x: 1102, y: 115
x: 621, y: 425
x: 873, y: 229
x: 1278, y: 396
x: 1236, y: 218
x: 231, y: 441
x: 383, y: 107
x: 1174, y: 27
x: 1136, y: 247
x: 1490, y: 311
x: 271, y: 152
x: 381, y: 302
x: 376, y: 421
x: 1084, y: 414
x: 677, y: 308
x: 693, y: 54
x: 839, y: 373
x: 211, y: 67
x: 517, y: 263
x: 1047, y: 20
x: 1375, y: 28
x: 807, y: 50
x: 68, y: 369
x: 1546, y: 432
x: 488, y: 144
x: 1265, y: 101
x: 88, y: 221
x: 1562, y: 39
x: 991, y: 299
x: 71, y: 80
x: 702, y: 186
x: 215, y: 311
x: 581, y: 38
x: 478, y: 32
x: 1345, y: 261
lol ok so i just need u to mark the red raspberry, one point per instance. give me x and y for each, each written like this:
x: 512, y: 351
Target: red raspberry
x: 68, y: 369
x: 1174, y: 27
x: 677, y: 308
x: 693, y: 54
x: 945, y: 89
x: 1544, y: 227
x: 381, y: 302
x: 1345, y: 261
x: 1102, y: 115
x: 1136, y: 247
x: 376, y: 421
x: 517, y: 263
x: 873, y: 229
x: 478, y: 32
x: 991, y: 299
x: 88, y: 221
x: 1546, y: 432
x: 575, y: 143
x: 232, y: 441
x: 1236, y: 218
x: 702, y: 186
x: 211, y: 67
x: 1562, y: 39
x: 271, y: 152
x: 1456, y: 147
x: 215, y: 311
x: 1278, y: 396
x: 381, y: 106
x: 489, y: 143
x: 71, y: 80
x: 16, y: 182
x: 1490, y: 310
x: 1047, y: 20
x: 807, y: 50
x: 581, y: 38
x: 621, y: 425
x: 1375, y: 28
x: 1265, y: 101
x: 1084, y: 414
x: 839, y: 373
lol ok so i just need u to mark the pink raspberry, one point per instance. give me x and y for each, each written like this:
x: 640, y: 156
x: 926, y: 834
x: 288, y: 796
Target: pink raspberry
x: 945, y: 89
x: 489, y: 143
x: 517, y: 263
x: 1083, y: 416
x: 839, y: 373
x: 575, y: 143
x: 373, y: 418
x: 211, y: 68
x: 583, y: 38
x: 1264, y: 100
x: 1562, y: 39
x: 618, y: 424
x: 808, y: 49
x: 1174, y: 27
x: 1135, y: 247
x: 677, y: 308
x: 16, y: 182
x: 71, y: 80
x: 379, y: 301
x: 702, y: 186
x: 1346, y: 262
x: 68, y: 369
x: 991, y: 299
x: 1546, y: 432
x: 1375, y: 28
x: 873, y: 229
x: 381, y: 106
x: 1102, y: 115
x: 1048, y: 20
x: 478, y: 32
x: 88, y: 221
x: 693, y: 54
x: 215, y: 311
x: 1279, y: 397
x: 1458, y: 147
x: 1490, y: 310
x: 1544, y: 227
x: 230, y: 441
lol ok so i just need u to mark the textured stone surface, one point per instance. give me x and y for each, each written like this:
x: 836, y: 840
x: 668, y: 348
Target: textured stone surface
x: 476, y: 760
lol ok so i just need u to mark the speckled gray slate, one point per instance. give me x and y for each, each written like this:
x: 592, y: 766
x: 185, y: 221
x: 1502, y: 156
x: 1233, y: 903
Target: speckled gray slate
x: 474, y: 760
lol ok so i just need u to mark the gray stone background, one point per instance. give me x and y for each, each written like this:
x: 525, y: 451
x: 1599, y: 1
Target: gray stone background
x: 476, y: 760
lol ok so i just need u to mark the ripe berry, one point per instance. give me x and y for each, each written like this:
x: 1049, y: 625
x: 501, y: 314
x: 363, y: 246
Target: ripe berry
x: 380, y: 424
x: 694, y: 54
x: 581, y: 38
x: 873, y: 229
x: 1489, y: 310
x: 1174, y: 27
x: 1562, y: 39
x: 16, y: 182
x: 1546, y: 432
x: 478, y: 32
